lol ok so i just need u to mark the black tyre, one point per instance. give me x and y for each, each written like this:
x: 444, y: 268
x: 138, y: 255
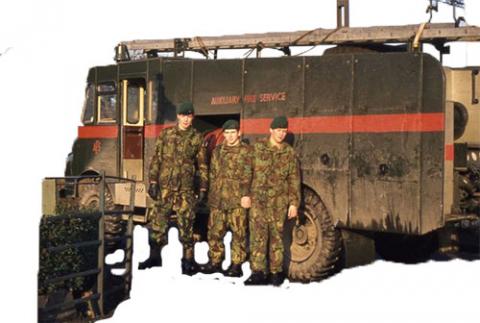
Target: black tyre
x: 89, y: 198
x: 406, y: 248
x: 312, y: 243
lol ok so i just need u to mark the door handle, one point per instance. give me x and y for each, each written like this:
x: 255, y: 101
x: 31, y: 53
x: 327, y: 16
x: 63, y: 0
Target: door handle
x: 474, y: 87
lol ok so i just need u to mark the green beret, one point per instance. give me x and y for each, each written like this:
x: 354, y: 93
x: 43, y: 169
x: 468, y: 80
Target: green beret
x: 185, y: 108
x: 231, y: 124
x: 279, y: 122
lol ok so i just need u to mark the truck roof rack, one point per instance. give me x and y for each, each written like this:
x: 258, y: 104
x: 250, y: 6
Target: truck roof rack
x: 435, y: 33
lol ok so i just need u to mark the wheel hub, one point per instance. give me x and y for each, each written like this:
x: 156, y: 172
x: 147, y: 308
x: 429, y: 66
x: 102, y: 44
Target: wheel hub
x: 304, y: 239
x: 299, y: 235
x: 92, y: 203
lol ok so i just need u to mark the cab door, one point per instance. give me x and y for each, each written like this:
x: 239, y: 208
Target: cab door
x: 132, y: 122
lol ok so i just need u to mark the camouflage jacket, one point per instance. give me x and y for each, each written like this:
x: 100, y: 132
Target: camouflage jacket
x: 276, y: 176
x: 177, y: 152
x: 230, y: 176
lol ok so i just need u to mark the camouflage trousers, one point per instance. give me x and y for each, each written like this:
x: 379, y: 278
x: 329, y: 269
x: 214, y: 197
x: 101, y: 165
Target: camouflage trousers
x: 182, y: 203
x: 266, y: 237
x: 219, y: 222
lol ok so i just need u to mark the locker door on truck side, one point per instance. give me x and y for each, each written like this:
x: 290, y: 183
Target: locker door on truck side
x: 132, y: 142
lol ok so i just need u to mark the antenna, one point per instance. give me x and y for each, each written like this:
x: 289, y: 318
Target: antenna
x: 343, y: 13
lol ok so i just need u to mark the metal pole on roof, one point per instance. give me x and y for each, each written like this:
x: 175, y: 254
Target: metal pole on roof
x: 343, y: 13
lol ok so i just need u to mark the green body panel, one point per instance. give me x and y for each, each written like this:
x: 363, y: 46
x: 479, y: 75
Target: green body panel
x: 85, y: 158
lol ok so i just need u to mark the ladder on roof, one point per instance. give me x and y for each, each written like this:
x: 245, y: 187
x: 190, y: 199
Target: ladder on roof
x: 437, y: 34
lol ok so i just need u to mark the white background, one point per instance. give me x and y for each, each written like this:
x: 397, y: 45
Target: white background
x: 47, y: 47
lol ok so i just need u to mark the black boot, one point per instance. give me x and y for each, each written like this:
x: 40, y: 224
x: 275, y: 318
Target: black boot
x: 154, y: 260
x: 276, y: 279
x: 256, y: 278
x: 235, y: 270
x: 210, y: 268
x: 189, y: 267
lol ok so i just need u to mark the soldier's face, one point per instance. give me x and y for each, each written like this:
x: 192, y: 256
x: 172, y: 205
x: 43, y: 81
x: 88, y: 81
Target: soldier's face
x: 278, y: 135
x: 184, y: 121
x: 232, y: 136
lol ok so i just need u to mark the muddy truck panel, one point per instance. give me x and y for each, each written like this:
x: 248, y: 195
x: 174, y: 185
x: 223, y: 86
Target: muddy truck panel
x: 366, y: 163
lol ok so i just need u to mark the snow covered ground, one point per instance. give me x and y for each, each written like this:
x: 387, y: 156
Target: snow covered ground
x: 380, y: 292
x: 46, y: 49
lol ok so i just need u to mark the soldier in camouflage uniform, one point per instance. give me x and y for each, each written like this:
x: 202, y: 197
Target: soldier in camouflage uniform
x: 171, y: 176
x: 275, y: 195
x: 228, y: 199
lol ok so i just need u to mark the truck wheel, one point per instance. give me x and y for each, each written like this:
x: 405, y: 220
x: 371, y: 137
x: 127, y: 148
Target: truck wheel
x: 89, y: 198
x: 313, y: 244
x: 406, y: 249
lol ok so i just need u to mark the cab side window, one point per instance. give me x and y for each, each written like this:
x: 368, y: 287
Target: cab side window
x: 135, y: 100
x: 132, y: 105
x: 154, y: 87
x: 107, y: 103
x: 88, y: 105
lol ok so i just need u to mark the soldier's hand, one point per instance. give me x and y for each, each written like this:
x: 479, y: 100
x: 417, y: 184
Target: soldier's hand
x: 153, y: 190
x: 246, y: 202
x: 292, y: 211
